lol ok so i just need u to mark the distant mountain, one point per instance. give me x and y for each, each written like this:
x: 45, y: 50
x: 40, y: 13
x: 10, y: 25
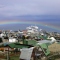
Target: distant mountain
x: 38, y: 17
x: 32, y: 17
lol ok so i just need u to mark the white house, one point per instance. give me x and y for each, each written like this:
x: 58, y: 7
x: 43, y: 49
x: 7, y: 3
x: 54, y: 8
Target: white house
x: 11, y: 39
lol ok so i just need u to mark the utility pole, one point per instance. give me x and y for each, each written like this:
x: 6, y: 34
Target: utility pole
x: 8, y: 54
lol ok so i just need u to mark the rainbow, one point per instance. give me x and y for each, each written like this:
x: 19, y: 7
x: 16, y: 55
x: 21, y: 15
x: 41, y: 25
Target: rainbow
x: 6, y: 22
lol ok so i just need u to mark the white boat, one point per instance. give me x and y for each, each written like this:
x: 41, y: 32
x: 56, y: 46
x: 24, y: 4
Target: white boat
x: 32, y: 29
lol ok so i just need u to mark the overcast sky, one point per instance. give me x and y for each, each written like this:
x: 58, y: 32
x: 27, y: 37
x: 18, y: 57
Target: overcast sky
x: 29, y: 7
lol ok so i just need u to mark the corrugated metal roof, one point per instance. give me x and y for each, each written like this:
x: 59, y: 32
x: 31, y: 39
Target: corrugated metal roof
x: 18, y: 45
x: 43, y: 41
x: 32, y: 42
